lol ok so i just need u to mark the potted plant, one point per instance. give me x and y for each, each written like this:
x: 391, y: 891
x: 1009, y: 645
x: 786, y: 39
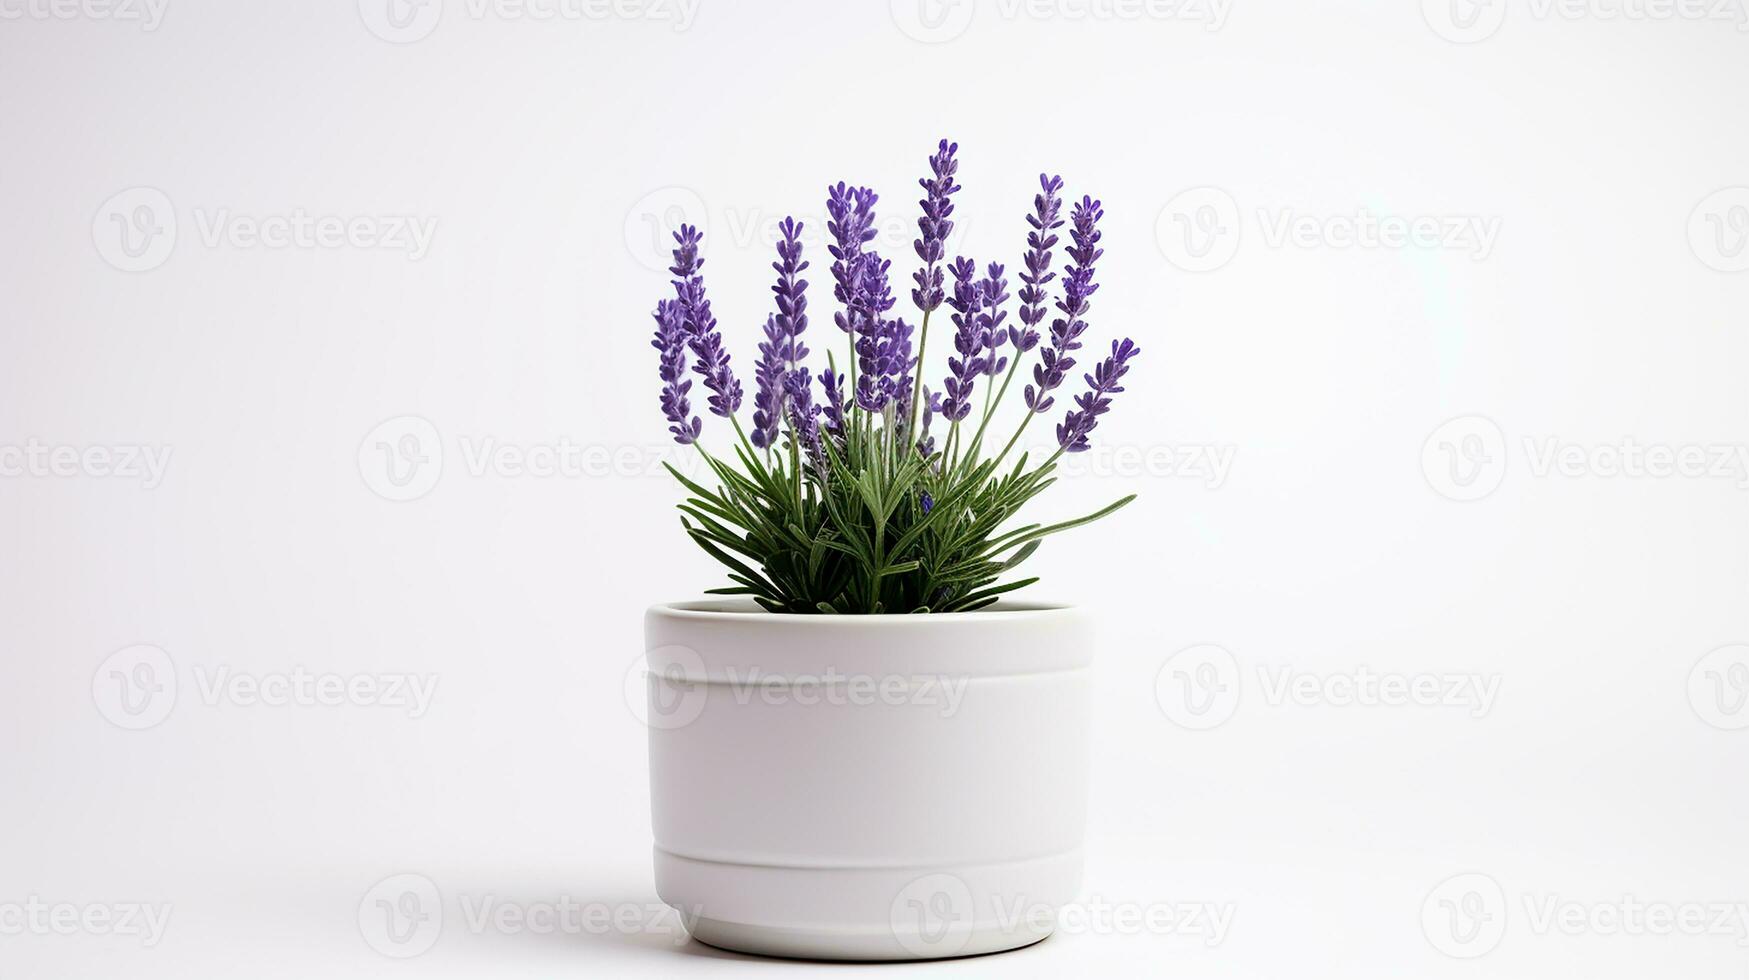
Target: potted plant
x: 867, y: 750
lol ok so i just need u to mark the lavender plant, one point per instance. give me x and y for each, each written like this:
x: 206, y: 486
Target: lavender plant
x: 841, y: 500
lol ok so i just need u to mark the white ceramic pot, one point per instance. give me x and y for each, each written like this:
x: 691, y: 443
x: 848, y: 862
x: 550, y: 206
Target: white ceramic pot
x: 868, y: 787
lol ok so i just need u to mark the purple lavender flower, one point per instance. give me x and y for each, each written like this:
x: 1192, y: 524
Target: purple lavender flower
x: 1044, y: 219
x: 994, y: 292
x: 968, y: 342
x: 851, y: 224
x: 782, y: 349
x: 883, y: 347
x: 1078, y: 287
x: 934, y: 226
x: 670, y: 340
x: 768, y: 376
x: 791, y: 290
x: 701, y: 326
x: 1103, y: 383
x: 833, y: 383
x: 931, y: 408
x: 804, y: 415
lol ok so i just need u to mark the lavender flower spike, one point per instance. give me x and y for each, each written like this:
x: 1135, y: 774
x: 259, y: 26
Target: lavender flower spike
x: 833, y: 384
x: 1078, y: 287
x: 782, y: 349
x: 701, y: 326
x: 935, y: 226
x: 670, y: 340
x: 968, y: 342
x: 768, y: 396
x: 994, y: 292
x: 851, y: 225
x: 1044, y: 219
x: 804, y: 415
x: 1103, y: 382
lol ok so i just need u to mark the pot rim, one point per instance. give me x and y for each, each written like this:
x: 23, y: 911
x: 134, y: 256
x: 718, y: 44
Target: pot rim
x: 738, y: 610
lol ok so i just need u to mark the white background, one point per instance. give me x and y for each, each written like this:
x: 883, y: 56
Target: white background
x: 542, y: 153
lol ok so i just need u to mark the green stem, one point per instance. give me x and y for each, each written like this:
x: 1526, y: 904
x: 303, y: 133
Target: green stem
x: 917, y: 382
x: 990, y: 411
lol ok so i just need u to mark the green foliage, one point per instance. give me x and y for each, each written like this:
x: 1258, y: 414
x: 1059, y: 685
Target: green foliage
x: 872, y: 525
